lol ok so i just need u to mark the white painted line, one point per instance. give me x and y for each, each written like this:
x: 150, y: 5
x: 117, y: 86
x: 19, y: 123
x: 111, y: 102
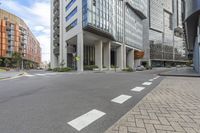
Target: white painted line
x: 151, y: 80
x: 121, y: 99
x: 138, y: 89
x: 51, y: 73
x: 156, y: 77
x: 29, y: 75
x: 40, y: 74
x: 86, y: 119
x: 147, y: 83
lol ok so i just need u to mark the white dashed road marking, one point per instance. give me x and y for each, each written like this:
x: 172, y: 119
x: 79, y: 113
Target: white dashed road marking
x: 121, y: 99
x: 156, y: 77
x: 147, y: 83
x: 86, y: 119
x: 40, y: 74
x: 29, y: 75
x: 51, y: 73
x: 138, y: 89
x: 151, y: 80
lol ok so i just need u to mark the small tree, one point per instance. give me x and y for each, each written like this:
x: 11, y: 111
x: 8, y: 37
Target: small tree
x: 7, y: 62
x: 16, y: 59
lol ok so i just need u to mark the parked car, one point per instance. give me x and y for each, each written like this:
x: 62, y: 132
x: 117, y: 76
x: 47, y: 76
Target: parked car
x: 140, y: 68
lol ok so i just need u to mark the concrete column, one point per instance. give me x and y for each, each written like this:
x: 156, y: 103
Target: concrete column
x: 124, y: 58
x: 106, y: 56
x: 137, y: 62
x: 80, y: 52
x: 120, y: 57
x: 62, y: 40
x: 65, y: 54
x: 130, y: 58
x: 98, y: 54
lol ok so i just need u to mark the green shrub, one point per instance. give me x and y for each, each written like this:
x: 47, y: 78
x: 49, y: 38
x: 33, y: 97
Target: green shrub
x: 128, y: 69
x: 5, y: 68
x: 49, y: 69
x: 64, y: 69
x: 90, y: 67
x: 112, y: 66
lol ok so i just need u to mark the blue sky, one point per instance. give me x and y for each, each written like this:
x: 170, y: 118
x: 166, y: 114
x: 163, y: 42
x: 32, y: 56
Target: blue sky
x: 36, y: 14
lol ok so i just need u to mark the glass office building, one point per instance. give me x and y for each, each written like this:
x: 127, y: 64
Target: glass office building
x: 166, y: 36
x: 104, y: 33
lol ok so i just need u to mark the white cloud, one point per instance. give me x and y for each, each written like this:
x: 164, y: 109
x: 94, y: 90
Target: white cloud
x: 37, y: 17
x: 39, y: 28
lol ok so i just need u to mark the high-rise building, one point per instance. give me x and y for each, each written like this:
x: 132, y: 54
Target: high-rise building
x: 15, y: 36
x: 105, y: 33
x: 192, y: 29
x: 166, y: 34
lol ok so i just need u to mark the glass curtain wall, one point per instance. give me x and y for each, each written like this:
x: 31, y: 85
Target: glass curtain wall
x: 118, y: 15
x: 99, y: 14
x: 133, y: 29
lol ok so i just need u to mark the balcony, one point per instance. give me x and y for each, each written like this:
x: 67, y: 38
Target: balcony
x: 56, y: 51
x: 56, y: 2
x: 55, y: 19
x: 56, y: 32
x: 56, y: 27
x: 56, y: 23
x: 56, y: 13
x: 56, y: 41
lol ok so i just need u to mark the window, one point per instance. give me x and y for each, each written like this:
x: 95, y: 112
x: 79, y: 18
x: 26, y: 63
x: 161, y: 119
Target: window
x: 94, y: 2
x: 70, y: 4
x: 71, y: 14
x: 168, y: 20
x: 72, y: 25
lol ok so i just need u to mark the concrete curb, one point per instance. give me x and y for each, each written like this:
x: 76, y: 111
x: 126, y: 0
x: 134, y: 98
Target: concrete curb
x: 14, y: 77
x: 176, y: 75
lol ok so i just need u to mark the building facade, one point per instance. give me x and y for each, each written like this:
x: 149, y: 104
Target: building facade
x: 15, y: 36
x: 166, y: 34
x: 105, y: 33
x: 192, y: 29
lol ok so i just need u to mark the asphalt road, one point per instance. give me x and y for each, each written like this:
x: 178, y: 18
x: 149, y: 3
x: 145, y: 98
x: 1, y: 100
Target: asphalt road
x: 43, y: 102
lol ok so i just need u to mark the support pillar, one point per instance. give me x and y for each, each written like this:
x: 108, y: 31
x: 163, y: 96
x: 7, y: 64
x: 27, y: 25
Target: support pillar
x: 120, y: 57
x: 98, y: 54
x: 137, y: 62
x: 106, y: 56
x: 130, y: 59
x: 125, y: 57
x: 80, y: 52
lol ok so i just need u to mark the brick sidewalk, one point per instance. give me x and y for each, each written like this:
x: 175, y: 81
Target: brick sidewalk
x: 172, y: 107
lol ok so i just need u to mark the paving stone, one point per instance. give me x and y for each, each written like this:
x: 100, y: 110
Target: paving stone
x: 190, y: 130
x: 163, y: 121
x: 153, y: 116
x: 172, y: 107
x: 136, y: 130
x: 142, y: 117
x: 164, y: 127
x: 123, y: 129
x: 139, y: 122
x: 152, y: 122
x: 150, y: 128
x: 177, y: 127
